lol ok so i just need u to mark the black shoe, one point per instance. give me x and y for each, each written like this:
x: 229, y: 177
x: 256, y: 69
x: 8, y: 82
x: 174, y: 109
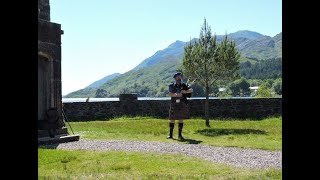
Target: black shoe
x: 180, y: 138
x: 169, y: 137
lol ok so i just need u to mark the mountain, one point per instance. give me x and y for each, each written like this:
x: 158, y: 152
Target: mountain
x: 91, y: 90
x: 82, y: 93
x: 100, y: 82
x: 149, y: 81
x: 265, y: 47
x: 251, y: 35
x: 175, y: 49
x: 278, y: 44
x: 152, y: 76
x: 242, y: 38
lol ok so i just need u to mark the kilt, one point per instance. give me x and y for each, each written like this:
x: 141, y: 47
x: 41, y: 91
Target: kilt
x: 179, y: 111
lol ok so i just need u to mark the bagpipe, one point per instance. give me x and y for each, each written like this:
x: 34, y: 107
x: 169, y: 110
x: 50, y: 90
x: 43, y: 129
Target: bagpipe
x: 186, y: 87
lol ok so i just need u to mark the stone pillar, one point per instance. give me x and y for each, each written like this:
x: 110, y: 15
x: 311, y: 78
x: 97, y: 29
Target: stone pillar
x: 51, y: 126
x: 129, y: 104
x: 128, y: 97
x: 44, y: 10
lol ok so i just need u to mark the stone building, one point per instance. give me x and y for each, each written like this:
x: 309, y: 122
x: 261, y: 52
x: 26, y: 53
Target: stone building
x: 51, y: 122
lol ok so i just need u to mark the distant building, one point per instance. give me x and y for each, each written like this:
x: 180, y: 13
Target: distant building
x: 254, y: 88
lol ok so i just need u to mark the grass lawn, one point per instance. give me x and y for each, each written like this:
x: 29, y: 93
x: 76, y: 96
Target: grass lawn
x: 77, y: 164
x: 263, y: 134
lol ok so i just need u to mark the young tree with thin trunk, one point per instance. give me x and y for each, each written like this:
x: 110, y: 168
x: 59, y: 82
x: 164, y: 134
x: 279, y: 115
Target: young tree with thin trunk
x: 211, y: 63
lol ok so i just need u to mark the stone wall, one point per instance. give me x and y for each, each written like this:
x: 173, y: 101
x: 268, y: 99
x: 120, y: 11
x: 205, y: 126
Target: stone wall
x: 255, y: 108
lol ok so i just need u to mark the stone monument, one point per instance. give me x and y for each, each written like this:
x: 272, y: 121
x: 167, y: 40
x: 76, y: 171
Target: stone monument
x: 51, y: 122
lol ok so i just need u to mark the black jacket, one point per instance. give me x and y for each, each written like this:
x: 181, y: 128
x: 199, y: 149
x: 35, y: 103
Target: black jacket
x: 176, y: 88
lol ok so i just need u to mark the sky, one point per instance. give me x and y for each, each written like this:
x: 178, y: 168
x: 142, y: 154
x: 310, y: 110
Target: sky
x: 102, y: 37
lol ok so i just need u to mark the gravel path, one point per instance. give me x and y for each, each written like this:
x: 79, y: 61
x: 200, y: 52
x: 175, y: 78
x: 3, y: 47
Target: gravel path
x: 238, y: 157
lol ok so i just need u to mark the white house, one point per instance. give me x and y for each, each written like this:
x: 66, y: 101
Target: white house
x: 254, y: 88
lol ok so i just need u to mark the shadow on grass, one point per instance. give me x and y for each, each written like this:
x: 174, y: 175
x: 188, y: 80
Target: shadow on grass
x: 220, y: 132
x: 48, y: 146
x: 189, y: 141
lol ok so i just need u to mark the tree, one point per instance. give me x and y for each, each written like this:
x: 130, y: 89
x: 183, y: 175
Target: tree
x: 197, y: 90
x: 234, y: 90
x: 269, y: 83
x: 124, y: 91
x: 264, y: 91
x: 101, y: 93
x: 240, y: 87
x: 277, y: 86
x: 210, y: 62
x: 255, y: 82
x: 263, y: 69
x: 214, y: 90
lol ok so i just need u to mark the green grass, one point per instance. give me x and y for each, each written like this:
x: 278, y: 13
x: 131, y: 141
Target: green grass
x: 262, y: 134
x: 77, y: 164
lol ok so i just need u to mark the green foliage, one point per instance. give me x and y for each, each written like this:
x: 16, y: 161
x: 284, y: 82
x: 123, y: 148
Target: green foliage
x: 240, y: 87
x: 211, y: 62
x: 100, y: 82
x: 150, y: 81
x: 268, y: 83
x: 101, y: 93
x: 255, y: 82
x: 198, y: 90
x: 277, y: 86
x: 225, y: 94
x: 264, y: 90
x: 214, y: 90
x: 263, y: 48
x: 82, y: 93
x: 263, y: 69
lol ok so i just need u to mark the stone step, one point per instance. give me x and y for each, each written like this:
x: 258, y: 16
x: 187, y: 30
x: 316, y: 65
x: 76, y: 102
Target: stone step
x: 63, y: 138
x: 45, y: 133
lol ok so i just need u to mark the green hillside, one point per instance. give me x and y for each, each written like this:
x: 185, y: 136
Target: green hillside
x: 149, y: 81
x: 82, y: 93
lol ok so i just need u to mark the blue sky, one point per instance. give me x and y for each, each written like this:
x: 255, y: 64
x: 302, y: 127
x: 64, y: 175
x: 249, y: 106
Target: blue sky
x: 102, y: 37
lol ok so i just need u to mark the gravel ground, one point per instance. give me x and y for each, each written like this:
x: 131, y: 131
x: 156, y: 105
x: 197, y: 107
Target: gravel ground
x: 238, y: 157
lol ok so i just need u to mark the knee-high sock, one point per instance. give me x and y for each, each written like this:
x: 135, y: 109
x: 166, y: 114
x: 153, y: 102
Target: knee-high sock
x: 180, y: 128
x: 171, y: 125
